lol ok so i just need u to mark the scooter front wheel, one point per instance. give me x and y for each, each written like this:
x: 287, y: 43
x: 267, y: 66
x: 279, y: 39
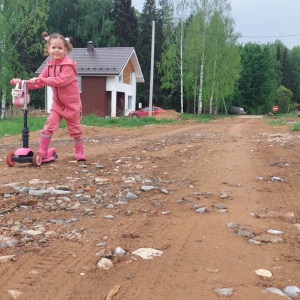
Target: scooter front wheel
x: 9, y: 159
x: 37, y: 159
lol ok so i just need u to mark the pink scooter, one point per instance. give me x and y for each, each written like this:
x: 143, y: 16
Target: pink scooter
x: 21, y: 98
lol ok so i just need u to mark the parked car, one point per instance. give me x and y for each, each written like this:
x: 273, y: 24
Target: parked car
x: 237, y: 110
x: 144, y: 112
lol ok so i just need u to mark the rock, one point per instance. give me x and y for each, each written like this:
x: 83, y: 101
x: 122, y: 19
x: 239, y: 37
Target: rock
x: 146, y: 188
x: 224, y: 196
x: 276, y: 179
x: 220, y: 206
x: 109, y: 217
x: 32, y: 232
x: 147, y: 253
x: 288, y: 217
x: 6, y: 258
x: 232, y: 225
x: 105, y: 264
x: 251, y: 241
x: 119, y: 252
x: 268, y: 238
x: 273, y: 290
x: 275, y: 232
x: 165, y: 212
x: 297, y: 226
x: 201, y: 210
x: 245, y: 232
x: 292, y: 291
x: 14, y: 294
x: 131, y: 196
x: 264, y: 273
x: 226, y: 292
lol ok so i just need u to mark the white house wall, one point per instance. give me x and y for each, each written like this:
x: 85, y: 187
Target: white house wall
x: 113, y: 85
x: 49, y: 95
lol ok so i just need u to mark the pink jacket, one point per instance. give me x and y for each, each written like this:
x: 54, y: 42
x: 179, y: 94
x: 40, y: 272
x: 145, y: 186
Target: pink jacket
x: 61, y: 76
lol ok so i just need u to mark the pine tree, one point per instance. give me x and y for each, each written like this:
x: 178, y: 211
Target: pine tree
x: 148, y: 15
x: 125, y: 23
x: 83, y: 20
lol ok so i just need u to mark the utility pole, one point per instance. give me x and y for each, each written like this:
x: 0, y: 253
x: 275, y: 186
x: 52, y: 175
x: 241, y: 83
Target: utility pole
x: 152, y: 70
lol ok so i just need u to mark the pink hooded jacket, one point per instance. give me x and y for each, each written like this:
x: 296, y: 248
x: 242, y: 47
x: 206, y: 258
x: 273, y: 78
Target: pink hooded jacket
x: 61, y: 76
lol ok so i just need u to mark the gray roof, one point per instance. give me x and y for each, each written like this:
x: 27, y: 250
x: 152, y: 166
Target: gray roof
x: 103, y: 61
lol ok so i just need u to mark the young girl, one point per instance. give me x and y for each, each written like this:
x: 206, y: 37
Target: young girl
x: 61, y: 75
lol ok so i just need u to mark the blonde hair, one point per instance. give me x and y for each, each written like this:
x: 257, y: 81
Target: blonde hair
x: 49, y: 38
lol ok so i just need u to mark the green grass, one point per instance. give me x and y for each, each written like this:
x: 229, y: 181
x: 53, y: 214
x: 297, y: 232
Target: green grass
x: 291, y: 120
x: 295, y: 127
x: 93, y: 120
x: 14, y: 125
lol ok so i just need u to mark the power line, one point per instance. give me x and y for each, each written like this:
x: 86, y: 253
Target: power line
x: 269, y: 36
x: 242, y: 36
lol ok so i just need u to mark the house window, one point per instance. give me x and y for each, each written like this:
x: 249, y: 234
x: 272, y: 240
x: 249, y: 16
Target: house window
x: 121, y: 77
x: 129, y: 103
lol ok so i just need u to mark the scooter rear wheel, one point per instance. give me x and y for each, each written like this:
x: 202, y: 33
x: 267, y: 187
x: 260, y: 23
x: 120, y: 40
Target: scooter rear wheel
x: 9, y: 159
x: 37, y: 159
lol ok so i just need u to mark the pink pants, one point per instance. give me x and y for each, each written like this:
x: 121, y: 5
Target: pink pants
x: 73, y: 124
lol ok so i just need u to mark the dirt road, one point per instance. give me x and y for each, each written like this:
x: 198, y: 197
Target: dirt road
x: 205, y: 195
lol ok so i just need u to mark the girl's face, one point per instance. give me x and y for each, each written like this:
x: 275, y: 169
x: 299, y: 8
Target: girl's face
x: 57, y: 49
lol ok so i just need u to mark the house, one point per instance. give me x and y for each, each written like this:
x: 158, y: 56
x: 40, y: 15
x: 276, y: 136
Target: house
x: 107, y: 80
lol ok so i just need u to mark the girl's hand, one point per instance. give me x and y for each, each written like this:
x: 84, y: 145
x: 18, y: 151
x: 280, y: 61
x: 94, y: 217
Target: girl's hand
x: 33, y: 80
x: 14, y: 81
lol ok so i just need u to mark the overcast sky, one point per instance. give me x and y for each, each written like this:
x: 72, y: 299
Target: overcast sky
x: 263, y: 21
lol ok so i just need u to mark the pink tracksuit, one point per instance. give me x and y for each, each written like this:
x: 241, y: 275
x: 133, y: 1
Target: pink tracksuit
x: 61, y: 76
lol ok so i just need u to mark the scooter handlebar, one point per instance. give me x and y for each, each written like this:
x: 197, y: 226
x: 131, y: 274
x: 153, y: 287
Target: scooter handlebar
x: 13, y: 83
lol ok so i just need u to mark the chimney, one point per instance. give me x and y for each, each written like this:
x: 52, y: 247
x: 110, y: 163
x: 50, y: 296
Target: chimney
x: 90, y: 46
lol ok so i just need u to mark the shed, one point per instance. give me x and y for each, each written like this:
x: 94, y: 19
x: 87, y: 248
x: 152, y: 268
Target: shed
x: 107, y: 80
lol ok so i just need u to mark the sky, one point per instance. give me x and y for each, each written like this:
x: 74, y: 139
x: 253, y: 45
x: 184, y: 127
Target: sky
x: 262, y: 21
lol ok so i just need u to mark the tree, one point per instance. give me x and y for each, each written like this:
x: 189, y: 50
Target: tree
x: 169, y: 64
x: 86, y: 25
x: 125, y: 21
x: 211, y: 57
x: 294, y: 63
x: 20, y: 40
x: 284, y: 99
x: 83, y: 20
x: 148, y: 15
x: 258, y: 82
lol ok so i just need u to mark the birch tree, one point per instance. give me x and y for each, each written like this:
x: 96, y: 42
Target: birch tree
x: 172, y: 64
x: 212, y: 56
x: 206, y: 6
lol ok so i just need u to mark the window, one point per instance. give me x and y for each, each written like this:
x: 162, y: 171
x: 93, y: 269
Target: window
x: 129, y: 103
x: 121, y: 77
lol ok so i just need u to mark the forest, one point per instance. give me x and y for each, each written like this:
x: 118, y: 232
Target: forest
x: 199, y: 66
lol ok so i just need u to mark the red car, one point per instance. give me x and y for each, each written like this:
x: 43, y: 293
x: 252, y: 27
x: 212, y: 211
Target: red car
x: 144, y: 112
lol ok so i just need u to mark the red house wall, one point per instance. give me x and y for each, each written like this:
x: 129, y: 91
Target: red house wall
x: 94, y: 96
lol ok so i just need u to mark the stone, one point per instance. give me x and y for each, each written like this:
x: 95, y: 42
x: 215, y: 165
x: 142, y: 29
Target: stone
x: 264, y: 273
x: 268, y: 238
x: 147, y: 253
x: 226, y: 292
x: 105, y: 264
x: 292, y: 291
x: 273, y: 290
